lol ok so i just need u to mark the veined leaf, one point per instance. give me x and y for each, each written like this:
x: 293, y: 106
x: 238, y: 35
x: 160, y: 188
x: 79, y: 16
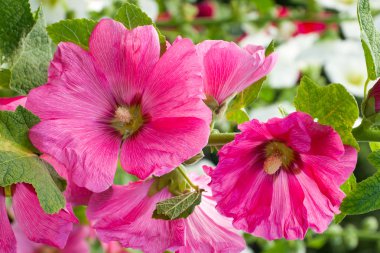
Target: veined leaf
x: 347, y: 187
x: 331, y: 105
x: 19, y: 162
x: 178, y: 207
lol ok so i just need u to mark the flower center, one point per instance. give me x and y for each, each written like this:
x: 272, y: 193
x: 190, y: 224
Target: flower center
x: 277, y: 155
x: 127, y: 120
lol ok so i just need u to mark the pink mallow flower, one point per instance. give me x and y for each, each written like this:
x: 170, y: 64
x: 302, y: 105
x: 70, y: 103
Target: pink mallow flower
x: 50, y: 229
x: 228, y: 69
x: 279, y: 178
x: 120, y: 96
x: 204, y: 231
x: 10, y: 104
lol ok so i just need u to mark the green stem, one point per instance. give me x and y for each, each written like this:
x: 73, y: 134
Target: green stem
x: 367, y: 235
x: 366, y: 87
x: 219, y: 139
x: 208, y: 21
x: 183, y: 173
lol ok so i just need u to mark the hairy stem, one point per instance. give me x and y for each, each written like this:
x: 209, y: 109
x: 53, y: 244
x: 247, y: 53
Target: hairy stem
x: 219, y: 139
x: 183, y: 173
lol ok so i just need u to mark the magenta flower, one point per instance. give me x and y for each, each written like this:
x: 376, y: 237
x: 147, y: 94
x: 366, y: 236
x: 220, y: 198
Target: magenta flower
x: 50, y: 229
x: 229, y: 69
x: 120, y: 97
x: 10, y: 104
x: 279, y: 178
x: 204, y: 231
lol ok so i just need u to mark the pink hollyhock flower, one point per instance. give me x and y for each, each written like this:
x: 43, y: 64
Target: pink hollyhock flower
x: 10, y: 104
x: 50, y: 229
x: 76, y: 242
x: 120, y: 96
x: 279, y: 178
x: 205, y: 230
x: 229, y: 69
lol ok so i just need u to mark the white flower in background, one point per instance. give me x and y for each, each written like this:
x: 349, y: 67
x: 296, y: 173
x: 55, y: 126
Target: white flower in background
x: 287, y: 69
x: 348, y: 6
x: 265, y: 113
x: 150, y: 7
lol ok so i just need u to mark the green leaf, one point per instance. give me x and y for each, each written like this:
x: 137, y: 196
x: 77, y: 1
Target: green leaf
x: 374, y: 159
x: 239, y: 116
x: 16, y: 20
x: 347, y: 187
x: 5, y: 76
x: 30, y: 67
x: 19, y: 162
x: 374, y: 146
x: 132, y: 16
x: 264, y: 6
x: 331, y: 105
x: 370, y: 39
x: 364, y: 198
x: 177, y: 207
x: 77, y: 31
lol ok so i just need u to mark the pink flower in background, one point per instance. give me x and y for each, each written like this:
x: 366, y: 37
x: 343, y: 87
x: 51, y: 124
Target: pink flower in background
x: 10, y: 104
x: 50, y: 229
x: 205, y: 230
x: 206, y: 9
x: 120, y: 96
x: 229, y: 69
x: 279, y: 178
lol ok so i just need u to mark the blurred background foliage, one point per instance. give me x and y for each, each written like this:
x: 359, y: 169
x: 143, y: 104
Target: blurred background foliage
x: 318, y: 38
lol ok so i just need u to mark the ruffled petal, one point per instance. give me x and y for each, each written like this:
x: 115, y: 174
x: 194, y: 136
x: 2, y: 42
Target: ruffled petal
x: 162, y: 145
x: 124, y: 214
x: 87, y: 150
x: 127, y: 57
x: 53, y: 229
x: 7, y: 237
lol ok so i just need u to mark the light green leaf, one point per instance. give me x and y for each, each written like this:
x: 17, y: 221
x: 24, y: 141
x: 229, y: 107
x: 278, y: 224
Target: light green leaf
x: 364, y: 198
x: 347, y: 187
x: 374, y: 146
x: 16, y: 20
x: 20, y: 164
x: 30, y: 67
x: 132, y: 16
x: 239, y: 116
x: 264, y: 6
x: 370, y: 39
x: 331, y: 105
x: 77, y: 31
x: 177, y: 207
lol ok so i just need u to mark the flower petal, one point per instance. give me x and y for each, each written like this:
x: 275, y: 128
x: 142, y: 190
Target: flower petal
x: 127, y: 57
x: 10, y: 104
x: 88, y: 151
x: 38, y: 226
x: 162, y: 145
x: 132, y: 225
x: 7, y: 237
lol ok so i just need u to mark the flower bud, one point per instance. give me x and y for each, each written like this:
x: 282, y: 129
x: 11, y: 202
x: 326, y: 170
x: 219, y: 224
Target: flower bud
x: 372, y: 102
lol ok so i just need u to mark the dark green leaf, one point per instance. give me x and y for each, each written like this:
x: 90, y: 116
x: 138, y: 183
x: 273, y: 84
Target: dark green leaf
x: 19, y: 162
x: 370, y: 39
x: 77, y: 31
x: 347, y: 187
x: 364, y: 198
x: 132, y: 16
x: 5, y: 76
x: 31, y: 63
x: 330, y: 105
x: 16, y: 20
x: 177, y: 207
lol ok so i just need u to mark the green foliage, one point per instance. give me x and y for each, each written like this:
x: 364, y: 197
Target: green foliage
x: 264, y: 6
x: 31, y: 62
x: 370, y: 39
x: 77, y: 31
x: 347, y: 187
x: 364, y: 198
x: 16, y: 20
x: 132, y: 16
x: 20, y: 163
x: 178, y: 207
x: 331, y: 105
